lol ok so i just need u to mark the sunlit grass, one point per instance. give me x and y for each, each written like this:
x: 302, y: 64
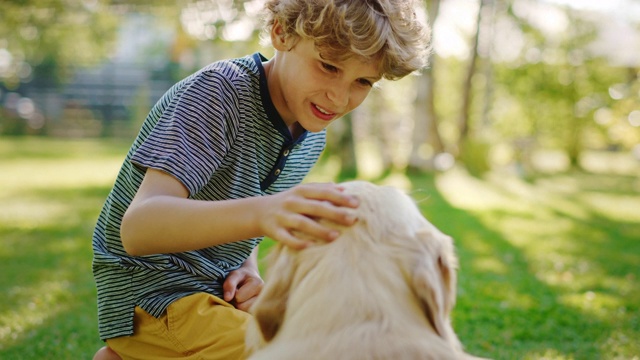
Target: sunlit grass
x: 549, y: 267
x: 557, y: 256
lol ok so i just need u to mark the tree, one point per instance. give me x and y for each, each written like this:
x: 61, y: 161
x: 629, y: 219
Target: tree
x: 48, y: 36
x: 556, y: 83
x: 426, y: 132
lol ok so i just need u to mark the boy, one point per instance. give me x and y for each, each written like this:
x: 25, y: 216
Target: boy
x: 216, y: 166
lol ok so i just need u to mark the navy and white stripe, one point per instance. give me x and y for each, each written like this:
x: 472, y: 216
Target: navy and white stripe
x: 217, y: 132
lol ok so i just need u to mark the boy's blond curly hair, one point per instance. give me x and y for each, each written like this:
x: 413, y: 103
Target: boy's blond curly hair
x: 385, y: 30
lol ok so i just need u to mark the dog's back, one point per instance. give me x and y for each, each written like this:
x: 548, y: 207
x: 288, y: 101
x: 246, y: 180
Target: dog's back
x: 383, y: 290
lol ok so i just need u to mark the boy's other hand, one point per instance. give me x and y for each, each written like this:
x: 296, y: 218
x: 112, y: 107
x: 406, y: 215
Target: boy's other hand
x: 242, y: 287
x: 292, y: 216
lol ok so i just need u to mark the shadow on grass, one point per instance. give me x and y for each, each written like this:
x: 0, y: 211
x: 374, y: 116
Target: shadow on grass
x: 510, y: 308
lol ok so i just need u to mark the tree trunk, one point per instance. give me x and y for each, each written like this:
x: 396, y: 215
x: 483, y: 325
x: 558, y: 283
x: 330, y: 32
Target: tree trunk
x: 467, y: 90
x: 426, y: 133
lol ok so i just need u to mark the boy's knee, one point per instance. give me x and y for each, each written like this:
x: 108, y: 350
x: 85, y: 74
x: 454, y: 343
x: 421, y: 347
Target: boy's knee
x: 105, y: 353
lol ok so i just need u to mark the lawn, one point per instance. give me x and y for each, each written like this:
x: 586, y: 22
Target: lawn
x: 549, y: 267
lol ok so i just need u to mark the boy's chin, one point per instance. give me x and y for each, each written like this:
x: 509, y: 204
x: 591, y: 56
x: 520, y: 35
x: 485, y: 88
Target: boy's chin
x: 316, y: 130
x: 315, y: 127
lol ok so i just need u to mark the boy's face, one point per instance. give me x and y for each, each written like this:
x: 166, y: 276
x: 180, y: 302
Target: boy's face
x: 312, y: 91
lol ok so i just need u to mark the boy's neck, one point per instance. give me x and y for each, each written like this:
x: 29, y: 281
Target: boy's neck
x: 296, y: 130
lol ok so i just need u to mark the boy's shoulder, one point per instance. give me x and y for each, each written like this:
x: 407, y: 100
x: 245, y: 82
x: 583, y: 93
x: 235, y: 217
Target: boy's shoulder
x: 232, y: 69
x: 228, y: 76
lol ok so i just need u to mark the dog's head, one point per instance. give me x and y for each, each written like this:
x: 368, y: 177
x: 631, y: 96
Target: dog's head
x: 388, y: 220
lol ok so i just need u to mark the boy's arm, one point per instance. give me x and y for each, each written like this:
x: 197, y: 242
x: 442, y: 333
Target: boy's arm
x: 161, y: 219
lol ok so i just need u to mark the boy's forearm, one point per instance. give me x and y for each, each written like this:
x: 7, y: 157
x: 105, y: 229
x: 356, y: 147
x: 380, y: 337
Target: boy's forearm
x: 166, y: 224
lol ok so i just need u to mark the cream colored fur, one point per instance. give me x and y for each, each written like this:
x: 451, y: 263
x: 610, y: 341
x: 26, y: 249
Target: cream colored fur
x: 383, y: 290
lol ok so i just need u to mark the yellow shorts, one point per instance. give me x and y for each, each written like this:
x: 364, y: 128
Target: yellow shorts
x: 200, y: 326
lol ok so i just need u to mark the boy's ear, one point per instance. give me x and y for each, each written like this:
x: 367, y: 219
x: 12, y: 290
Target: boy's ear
x: 279, y: 38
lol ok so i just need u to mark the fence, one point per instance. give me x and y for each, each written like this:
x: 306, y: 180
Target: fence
x: 110, y: 100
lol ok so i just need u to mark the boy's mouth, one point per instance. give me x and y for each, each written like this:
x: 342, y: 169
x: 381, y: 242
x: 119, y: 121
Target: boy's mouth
x: 322, y: 113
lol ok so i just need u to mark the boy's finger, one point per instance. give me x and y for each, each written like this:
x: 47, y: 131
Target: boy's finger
x: 230, y: 285
x: 249, y: 289
x: 246, y: 305
x: 332, y: 193
x: 325, y: 210
x: 287, y: 239
x: 311, y: 231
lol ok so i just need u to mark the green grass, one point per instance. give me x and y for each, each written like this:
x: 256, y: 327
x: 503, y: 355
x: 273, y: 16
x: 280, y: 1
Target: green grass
x: 548, y: 267
x: 50, y: 195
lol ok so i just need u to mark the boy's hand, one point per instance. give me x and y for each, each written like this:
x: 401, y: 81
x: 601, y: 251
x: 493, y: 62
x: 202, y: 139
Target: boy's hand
x: 242, y: 287
x: 294, y: 214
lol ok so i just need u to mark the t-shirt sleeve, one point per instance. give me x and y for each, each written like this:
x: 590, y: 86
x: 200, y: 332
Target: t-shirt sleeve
x: 193, y: 133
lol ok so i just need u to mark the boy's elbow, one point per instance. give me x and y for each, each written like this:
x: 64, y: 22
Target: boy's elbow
x: 129, y: 236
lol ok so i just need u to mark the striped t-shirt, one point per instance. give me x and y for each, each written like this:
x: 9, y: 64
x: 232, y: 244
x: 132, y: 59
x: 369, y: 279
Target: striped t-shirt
x: 218, y: 132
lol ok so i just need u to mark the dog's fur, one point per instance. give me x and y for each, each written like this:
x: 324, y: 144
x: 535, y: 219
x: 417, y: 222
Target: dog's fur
x: 383, y: 290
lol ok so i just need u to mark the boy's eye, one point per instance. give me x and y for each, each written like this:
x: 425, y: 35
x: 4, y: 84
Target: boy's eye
x: 329, y: 68
x: 365, y: 82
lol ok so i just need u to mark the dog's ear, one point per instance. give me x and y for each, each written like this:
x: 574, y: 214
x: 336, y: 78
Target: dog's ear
x: 269, y: 308
x: 434, y: 281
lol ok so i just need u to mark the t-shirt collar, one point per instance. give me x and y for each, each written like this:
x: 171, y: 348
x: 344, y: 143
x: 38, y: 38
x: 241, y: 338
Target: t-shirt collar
x: 269, y: 107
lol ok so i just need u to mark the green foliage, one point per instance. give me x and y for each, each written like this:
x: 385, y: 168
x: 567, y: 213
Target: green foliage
x: 46, y: 37
x: 475, y: 156
x: 554, y: 95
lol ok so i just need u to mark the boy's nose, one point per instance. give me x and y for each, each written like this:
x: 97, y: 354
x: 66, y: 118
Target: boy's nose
x: 339, y: 96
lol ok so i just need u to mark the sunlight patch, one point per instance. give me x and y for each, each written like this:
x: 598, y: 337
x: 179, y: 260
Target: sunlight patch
x: 48, y: 174
x: 515, y: 300
x: 30, y: 214
x: 609, y: 163
x: 369, y: 162
x: 326, y: 171
x: 398, y: 180
x: 620, y: 346
x: 593, y: 302
x: 490, y: 264
x: 548, y: 354
x: 466, y: 192
x: 615, y: 207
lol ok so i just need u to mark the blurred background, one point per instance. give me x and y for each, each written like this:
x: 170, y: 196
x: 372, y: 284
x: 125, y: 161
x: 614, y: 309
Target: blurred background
x: 521, y: 141
x: 527, y: 85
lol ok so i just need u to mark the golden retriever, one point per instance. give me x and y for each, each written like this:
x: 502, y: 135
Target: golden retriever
x: 383, y: 290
